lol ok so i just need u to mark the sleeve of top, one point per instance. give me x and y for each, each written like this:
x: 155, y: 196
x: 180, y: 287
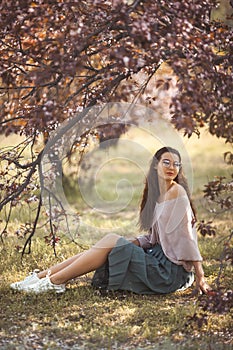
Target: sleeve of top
x: 177, y: 235
x: 144, y: 241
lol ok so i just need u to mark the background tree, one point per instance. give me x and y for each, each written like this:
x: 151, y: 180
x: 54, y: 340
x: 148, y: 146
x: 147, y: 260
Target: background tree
x: 58, y: 58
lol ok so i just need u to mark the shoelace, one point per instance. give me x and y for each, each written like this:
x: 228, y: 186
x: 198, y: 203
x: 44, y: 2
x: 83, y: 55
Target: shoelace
x: 34, y: 271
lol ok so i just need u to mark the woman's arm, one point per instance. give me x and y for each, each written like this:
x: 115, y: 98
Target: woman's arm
x: 201, y: 284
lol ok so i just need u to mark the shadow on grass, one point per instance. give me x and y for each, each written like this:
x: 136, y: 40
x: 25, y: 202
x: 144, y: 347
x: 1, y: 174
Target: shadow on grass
x: 86, y: 318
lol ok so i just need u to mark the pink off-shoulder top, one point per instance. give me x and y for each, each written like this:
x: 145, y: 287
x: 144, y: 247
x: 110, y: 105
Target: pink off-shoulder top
x: 173, y: 229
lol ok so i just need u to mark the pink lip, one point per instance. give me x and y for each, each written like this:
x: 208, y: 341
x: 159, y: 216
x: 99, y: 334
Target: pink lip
x: 170, y: 173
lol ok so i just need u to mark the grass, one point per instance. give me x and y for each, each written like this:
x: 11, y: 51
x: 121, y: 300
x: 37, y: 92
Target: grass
x: 85, y: 318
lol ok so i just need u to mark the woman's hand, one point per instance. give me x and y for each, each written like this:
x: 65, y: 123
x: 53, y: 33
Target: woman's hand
x: 202, y: 286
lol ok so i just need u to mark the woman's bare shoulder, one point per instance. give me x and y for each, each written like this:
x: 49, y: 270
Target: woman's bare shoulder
x: 175, y: 191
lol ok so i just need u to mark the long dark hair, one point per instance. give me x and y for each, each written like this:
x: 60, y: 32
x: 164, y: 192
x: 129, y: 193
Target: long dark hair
x: 151, y: 190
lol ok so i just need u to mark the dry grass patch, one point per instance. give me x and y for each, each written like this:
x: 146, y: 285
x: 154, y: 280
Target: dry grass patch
x: 86, y: 318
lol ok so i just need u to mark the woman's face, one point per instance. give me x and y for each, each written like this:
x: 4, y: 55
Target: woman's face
x: 168, y: 166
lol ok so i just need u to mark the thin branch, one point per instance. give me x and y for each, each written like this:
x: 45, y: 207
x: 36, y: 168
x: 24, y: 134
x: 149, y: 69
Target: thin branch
x: 84, y: 86
x: 107, y: 25
x: 12, y: 119
x: 29, y: 239
x: 17, y: 87
x: 21, y: 69
x: 30, y: 93
x: 51, y: 194
x: 134, y: 5
x: 25, y: 142
x: 8, y: 60
x: 21, y: 166
x: 50, y: 84
x: 24, y: 184
x: 7, y: 222
x: 217, y: 281
x: 51, y: 226
x: 32, y: 143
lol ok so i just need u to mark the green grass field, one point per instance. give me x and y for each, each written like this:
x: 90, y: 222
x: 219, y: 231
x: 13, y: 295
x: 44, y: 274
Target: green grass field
x: 84, y: 318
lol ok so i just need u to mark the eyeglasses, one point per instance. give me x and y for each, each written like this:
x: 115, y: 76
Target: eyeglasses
x: 167, y: 163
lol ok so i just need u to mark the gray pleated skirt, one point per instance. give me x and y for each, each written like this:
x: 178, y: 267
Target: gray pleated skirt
x: 134, y: 269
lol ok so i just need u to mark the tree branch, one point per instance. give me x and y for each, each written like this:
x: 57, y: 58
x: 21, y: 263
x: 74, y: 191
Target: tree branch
x: 29, y: 239
x: 6, y: 224
x: 217, y: 281
x: 24, y: 184
x: 12, y: 119
x: 21, y: 166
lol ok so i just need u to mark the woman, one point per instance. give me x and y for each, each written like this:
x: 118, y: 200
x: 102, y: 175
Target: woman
x: 158, y: 262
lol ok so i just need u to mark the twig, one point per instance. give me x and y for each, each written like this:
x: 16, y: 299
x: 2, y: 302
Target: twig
x: 217, y: 281
x: 51, y: 226
x: 7, y: 222
x: 24, y: 184
x: 21, y: 166
x: 29, y: 239
x: 51, y: 194
x: 13, y: 119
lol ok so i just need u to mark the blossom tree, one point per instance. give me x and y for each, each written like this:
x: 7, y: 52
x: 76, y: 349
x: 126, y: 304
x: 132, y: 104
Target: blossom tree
x: 60, y: 57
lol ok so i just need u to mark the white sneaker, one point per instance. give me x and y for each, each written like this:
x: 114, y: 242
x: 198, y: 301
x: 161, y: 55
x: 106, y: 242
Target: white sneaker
x: 31, y: 279
x: 44, y: 285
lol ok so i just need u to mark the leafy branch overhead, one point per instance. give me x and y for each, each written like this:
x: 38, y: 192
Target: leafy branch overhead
x: 57, y: 58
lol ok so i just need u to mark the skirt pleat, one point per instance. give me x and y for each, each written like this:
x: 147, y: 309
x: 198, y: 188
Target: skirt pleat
x: 132, y: 268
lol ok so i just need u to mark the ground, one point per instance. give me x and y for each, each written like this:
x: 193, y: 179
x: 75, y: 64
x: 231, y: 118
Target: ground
x: 86, y: 318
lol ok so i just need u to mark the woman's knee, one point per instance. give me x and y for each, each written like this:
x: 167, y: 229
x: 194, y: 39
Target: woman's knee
x: 111, y: 239
x: 108, y: 241
x: 112, y: 236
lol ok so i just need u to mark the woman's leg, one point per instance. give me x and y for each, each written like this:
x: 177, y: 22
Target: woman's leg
x: 88, y: 261
x: 60, y: 266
